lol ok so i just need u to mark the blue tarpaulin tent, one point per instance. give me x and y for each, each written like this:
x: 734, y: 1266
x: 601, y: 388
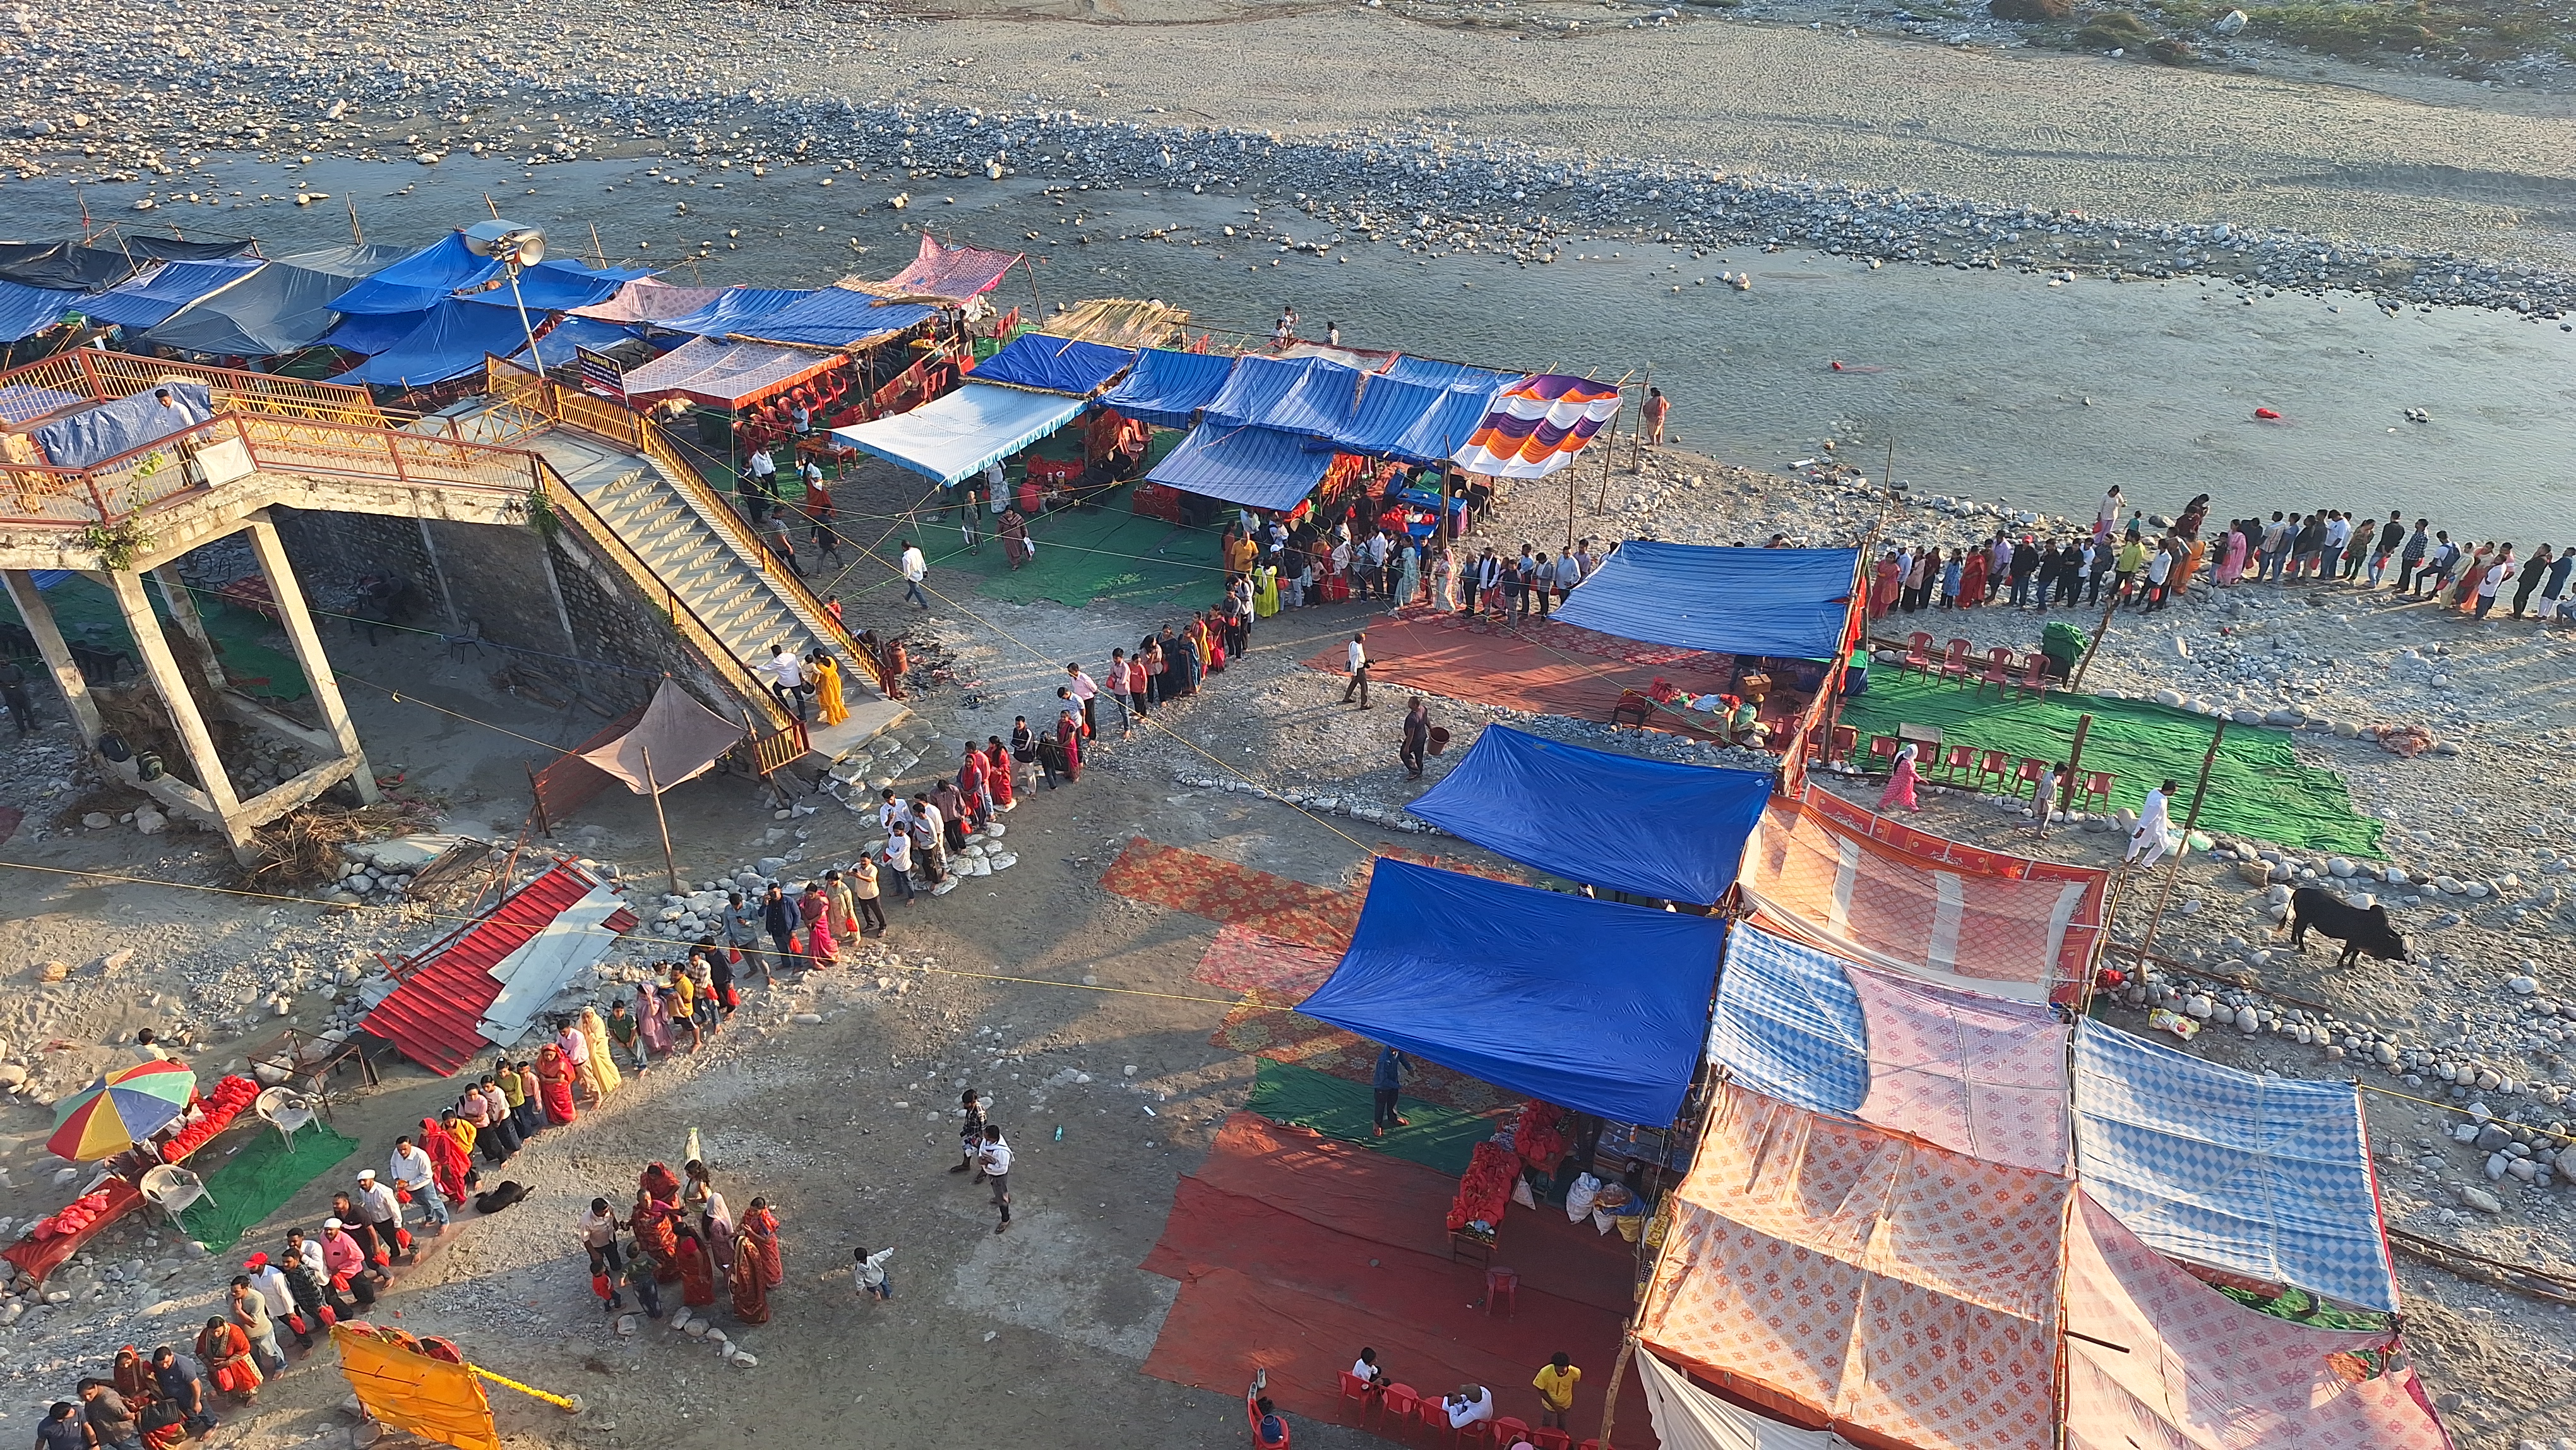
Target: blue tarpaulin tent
x: 148, y: 301
x: 1260, y: 468
x: 450, y: 342
x: 835, y: 317
x: 1272, y: 392
x: 1789, y: 1025
x: 1433, y: 373
x: 952, y: 437
x: 738, y: 308
x: 438, y: 271
x: 2267, y: 1176
x: 1682, y: 827
x: 94, y: 435
x: 1054, y: 364
x: 26, y: 311
x: 1167, y: 388
x: 554, y: 287
x: 1588, y: 1004
x: 282, y: 306
x: 555, y: 345
x: 1785, y: 602
x: 369, y: 333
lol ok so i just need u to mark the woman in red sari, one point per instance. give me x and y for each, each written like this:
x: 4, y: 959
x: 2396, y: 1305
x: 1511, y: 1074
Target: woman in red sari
x: 760, y: 1226
x: 750, y: 1286
x: 554, y: 1081
x: 448, y: 1160
x: 1972, y: 580
x: 997, y: 772
x: 697, y: 1267
x: 654, y: 1235
x: 225, y: 1352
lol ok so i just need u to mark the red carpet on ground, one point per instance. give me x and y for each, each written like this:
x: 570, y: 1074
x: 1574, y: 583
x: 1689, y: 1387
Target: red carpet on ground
x: 1294, y: 1250
x: 1550, y: 669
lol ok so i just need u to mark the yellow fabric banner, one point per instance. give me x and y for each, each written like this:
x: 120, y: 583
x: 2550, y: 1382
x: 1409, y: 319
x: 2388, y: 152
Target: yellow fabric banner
x: 411, y: 1391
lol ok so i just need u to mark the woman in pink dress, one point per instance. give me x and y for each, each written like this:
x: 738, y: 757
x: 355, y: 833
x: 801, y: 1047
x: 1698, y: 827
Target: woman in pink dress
x: 1900, y: 783
x: 2232, y: 563
x: 815, y: 909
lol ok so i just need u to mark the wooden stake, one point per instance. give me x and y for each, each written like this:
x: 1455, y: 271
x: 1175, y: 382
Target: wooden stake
x: 1618, y: 1372
x: 2090, y: 645
x: 663, y: 822
x: 2074, y: 763
x: 1637, y: 439
x: 357, y: 234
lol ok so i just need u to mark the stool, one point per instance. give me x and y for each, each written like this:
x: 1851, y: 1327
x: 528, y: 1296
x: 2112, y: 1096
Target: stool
x: 1501, y: 1284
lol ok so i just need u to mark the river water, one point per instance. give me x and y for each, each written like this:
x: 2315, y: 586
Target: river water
x: 1991, y: 385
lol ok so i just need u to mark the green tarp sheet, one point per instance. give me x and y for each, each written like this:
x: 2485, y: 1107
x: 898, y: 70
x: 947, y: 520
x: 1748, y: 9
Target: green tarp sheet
x: 260, y: 1178
x: 1300, y: 1097
x: 2258, y: 788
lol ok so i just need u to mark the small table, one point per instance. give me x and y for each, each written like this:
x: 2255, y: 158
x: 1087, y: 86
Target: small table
x: 1926, y: 738
x: 1463, y: 1243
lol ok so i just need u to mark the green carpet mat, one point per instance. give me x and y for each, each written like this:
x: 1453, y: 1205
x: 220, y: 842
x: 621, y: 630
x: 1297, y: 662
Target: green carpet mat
x: 1112, y: 554
x: 2257, y: 788
x: 1442, y: 1138
x: 260, y: 1178
x: 86, y: 612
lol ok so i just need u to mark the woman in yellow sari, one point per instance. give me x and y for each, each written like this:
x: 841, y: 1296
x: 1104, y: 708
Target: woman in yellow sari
x: 827, y: 688
x: 1265, y: 591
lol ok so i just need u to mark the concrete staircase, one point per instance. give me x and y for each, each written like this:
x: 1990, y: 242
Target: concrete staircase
x: 714, y: 570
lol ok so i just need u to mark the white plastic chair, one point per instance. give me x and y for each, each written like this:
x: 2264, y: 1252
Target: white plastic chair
x: 172, y: 1188
x: 285, y: 1110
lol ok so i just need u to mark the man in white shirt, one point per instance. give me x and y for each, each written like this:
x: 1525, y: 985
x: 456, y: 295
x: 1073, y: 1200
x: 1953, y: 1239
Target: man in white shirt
x: 995, y: 1161
x: 415, y: 1175
x: 381, y: 1212
x: 2160, y: 567
x: 915, y: 569
x: 1359, y: 670
x: 787, y: 679
x: 1471, y: 1404
x: 893, y: 814
x: 2154, y: 835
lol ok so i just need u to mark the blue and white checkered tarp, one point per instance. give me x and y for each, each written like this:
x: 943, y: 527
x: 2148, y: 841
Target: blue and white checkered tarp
x: 1789, y: 1024
x: 2265, y: 1176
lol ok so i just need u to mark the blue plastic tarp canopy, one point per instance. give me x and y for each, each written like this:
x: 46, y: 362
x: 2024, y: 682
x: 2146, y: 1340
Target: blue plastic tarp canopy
x: 1682, y: 828
x: 556, y: 345
x: 735, y: 309
x: 836, y: 317
x: 955, y: 436
x: 369, y: 333
x: 1308, y: 395
x: 94, y: 435
x: 554, y: 287
x: 445, y: 267
x: 1430, y: 372
x: 1588, y: 1004
x: 2267, y: 1176
x: 1260, y: 468
x: 1054, y: 364
x: 450, y: 342
x: 1784, y: 602
x: 279, y: 308
x: 1789, y: 1025
x: 26, y: 311
x: 1167, y: 388
x: 149, y: 300
x: 67, y: 266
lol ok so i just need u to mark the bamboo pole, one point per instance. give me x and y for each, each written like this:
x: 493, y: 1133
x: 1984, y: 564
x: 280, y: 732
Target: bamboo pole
x: 660, y: 821
x: 2090, y: 645
x: 2074, y: 764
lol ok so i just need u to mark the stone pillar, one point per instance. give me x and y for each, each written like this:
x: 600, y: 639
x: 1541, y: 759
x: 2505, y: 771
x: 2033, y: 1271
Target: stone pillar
x: 183, y: 613
x: 298, y: 621
x: 58, y: 656
x: 163, y: 670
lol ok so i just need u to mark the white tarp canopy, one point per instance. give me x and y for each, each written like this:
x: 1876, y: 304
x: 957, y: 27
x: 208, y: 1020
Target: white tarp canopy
x: 956, y: 436
x: 684, y: 738
x: 1690, y: 1418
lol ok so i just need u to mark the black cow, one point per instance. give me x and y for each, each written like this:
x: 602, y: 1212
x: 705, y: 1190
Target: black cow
x: 2360, y: 931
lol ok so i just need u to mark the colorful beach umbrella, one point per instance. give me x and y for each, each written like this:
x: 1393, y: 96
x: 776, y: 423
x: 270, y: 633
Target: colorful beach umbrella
x: 120, y: 1110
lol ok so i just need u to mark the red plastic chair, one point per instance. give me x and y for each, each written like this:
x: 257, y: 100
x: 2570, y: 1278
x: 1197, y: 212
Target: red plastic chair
x: 1401, y: 1402
x: 1996, y: 671
x: 2097, y: 790
x: 2034, y: 677
x: 1502, y: 1284
x: 1509, y: 1432
x: 1548, y: 1437
x: 1594, y: 1445
x: 1954, y: 661
x: 1434, y: 1416
x: 1883, y: 748
x: 1918, y: 651
x: 1958, y: 761
x: 1355, y: 1388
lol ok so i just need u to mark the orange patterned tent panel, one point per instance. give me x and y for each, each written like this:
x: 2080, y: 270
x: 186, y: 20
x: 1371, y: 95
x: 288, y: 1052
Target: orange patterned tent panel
x: 1828, y: 873
x: 1879, y: 1283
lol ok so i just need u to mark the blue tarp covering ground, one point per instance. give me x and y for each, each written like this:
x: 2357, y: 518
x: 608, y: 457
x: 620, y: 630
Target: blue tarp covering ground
x: 1589, y: 1004
x: 26, y: 311
x: 148, y: 301
x: 1260, y: 468
x: 450, y: 342
x: 1682, y: 827
x: 2267, y: 1176
x: 1168, y: 388
x: 1785, y: 602
x: 94, y: 435
x: 736, y: 309
x: 1054, y: 364
x: 836, y: 317
x: 1789, y: 1025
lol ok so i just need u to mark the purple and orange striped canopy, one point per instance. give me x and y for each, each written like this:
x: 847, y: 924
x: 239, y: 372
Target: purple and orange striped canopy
x: 1537, y: 425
